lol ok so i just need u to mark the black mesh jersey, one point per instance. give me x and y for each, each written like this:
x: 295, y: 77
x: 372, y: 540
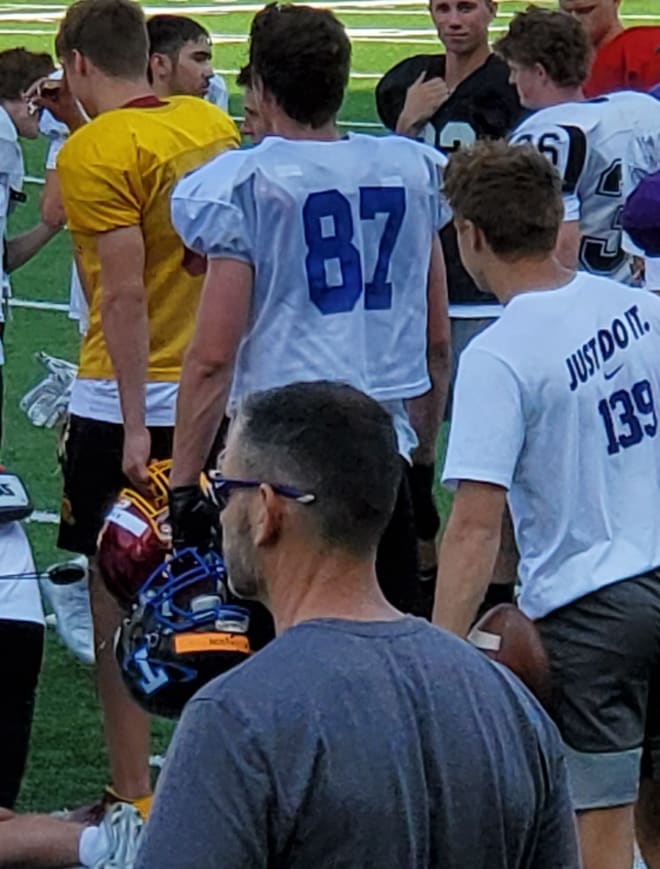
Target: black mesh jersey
x: 483, y: 106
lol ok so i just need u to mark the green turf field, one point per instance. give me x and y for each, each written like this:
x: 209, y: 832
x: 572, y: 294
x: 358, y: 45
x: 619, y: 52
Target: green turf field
x: 67, y: 764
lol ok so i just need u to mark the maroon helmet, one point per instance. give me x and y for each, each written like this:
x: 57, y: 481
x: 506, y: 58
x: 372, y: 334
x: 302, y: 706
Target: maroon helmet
x: 135, y: 537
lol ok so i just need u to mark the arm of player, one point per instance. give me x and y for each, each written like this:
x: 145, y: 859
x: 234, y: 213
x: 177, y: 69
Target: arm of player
x: 51, y: 206
x: 423, y: 99
x: 208, y: 365
x: 426, y: 411
x: 125, y: 326
x: 467, y: 555
x: 23, y: 247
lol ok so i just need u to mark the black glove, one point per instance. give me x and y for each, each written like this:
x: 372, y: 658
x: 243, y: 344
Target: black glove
x: 194, y: 520
x: 427, y: 521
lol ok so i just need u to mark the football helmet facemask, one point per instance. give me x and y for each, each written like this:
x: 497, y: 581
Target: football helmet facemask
x: 135, y: 536
x: 182, y: 632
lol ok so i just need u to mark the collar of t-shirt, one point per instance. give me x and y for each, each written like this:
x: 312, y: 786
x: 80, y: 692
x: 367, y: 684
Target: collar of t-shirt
x: 148, y: 101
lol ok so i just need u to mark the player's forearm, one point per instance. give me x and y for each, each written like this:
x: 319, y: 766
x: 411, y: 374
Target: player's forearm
x: 426, y: 411
x: 408, y: 125
x: 465, y: 565
x: 201, y: 403
x: 23, y: 247
x: 126, y: 331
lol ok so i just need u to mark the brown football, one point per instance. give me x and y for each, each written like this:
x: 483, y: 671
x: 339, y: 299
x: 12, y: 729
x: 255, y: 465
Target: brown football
x: 508, y: 636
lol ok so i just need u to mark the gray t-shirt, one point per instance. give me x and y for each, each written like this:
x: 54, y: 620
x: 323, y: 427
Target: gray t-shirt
x: 363, y: 744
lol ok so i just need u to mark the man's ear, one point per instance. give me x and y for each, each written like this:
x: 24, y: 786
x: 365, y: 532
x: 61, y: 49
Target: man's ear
x: 80, y: 63
x: 477, y: 238
x: 267, y: 516
x: 469, y: 233
x: 541, y: 73
x: 160, y: 66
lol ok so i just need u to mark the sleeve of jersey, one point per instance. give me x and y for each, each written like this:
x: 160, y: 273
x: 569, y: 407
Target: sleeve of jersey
x: 565, y: 147
x: 437, y: 163
x: 487, y: 426
x: 214, y: 216
x: 4, y: 209
x: 98, y: 195
x: 53, y: 152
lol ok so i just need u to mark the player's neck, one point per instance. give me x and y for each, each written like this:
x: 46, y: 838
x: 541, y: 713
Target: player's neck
x: 458, y: 67
x: 114, y: 93
x: 506, y: 280
x: 308, y: 584
x: 614, y: 30
x: 287, y: 128
x: 556, y: 96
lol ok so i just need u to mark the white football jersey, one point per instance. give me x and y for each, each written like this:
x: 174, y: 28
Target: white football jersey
x: 339, y: 235
x: 218, y: 93
x: 565, y: 419
x: 589, y: 143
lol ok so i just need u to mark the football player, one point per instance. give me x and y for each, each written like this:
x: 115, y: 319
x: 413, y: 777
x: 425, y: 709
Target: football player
x: 323, y: 263
x: 557, y: 400
x: 587, y: 141
x: 142, y: 305
x: 449, y: 100
x: 19, y: 69
x: 180, y: 54
x: 624, y: 59
x: 252, y: 127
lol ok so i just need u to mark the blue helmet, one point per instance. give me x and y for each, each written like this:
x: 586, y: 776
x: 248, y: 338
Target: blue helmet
x: 183, y: 630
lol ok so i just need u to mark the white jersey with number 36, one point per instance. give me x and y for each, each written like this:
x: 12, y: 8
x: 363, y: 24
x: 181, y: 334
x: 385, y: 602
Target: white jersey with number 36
x: 339, y: 236
x: 588, y: 142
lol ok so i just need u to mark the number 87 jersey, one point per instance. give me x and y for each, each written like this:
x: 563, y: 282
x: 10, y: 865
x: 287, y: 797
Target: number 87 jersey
x: 588, y: 143
x: 339, y: 236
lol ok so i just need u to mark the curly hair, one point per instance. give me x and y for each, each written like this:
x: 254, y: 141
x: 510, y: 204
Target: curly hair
x: 512, y: 193
x: 554, y: 39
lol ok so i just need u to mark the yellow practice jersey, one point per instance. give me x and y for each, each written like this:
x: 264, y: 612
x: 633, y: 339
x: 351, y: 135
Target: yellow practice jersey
x: 119, y: 171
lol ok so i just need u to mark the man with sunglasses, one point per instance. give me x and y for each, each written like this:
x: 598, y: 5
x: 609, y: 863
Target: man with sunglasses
x: 324, y: 261
x: 330, y: 746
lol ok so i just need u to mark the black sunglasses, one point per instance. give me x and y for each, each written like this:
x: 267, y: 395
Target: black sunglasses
x: 218, y: 489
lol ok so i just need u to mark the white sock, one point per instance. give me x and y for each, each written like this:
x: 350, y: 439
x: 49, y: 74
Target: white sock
x: 94, y: 844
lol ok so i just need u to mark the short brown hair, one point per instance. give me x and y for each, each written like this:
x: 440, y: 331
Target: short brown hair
x: 20, y: 68
x: 111, y: 33
x: 244, y: 77
x: 512, y: 193
x: 303, y: 57
x: 551, y: 38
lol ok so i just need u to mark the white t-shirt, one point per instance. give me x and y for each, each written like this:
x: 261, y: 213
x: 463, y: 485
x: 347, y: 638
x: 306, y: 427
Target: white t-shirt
x: 590, y: 143
x: 19, y: 597
x: 556, y: 402
x: 339, y: 234
x: 99, y: 399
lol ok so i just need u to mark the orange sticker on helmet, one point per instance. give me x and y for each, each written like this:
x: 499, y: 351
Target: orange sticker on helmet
x: 188, y: 643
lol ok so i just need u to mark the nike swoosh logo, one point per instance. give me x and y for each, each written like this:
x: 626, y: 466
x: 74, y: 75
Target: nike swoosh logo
x: 612, y: 373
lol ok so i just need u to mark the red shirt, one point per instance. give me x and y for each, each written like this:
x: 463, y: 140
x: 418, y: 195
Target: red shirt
x: 630, y: 61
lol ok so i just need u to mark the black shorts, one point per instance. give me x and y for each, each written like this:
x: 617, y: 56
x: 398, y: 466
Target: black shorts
x: 91, y: 463
x: 604, y: 651
x: 396, y: 562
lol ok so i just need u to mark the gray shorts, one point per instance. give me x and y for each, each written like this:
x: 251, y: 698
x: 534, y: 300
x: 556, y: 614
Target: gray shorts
x: 604, y: 652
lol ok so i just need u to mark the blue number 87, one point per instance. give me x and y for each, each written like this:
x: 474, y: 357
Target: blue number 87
x: 332, y: 207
